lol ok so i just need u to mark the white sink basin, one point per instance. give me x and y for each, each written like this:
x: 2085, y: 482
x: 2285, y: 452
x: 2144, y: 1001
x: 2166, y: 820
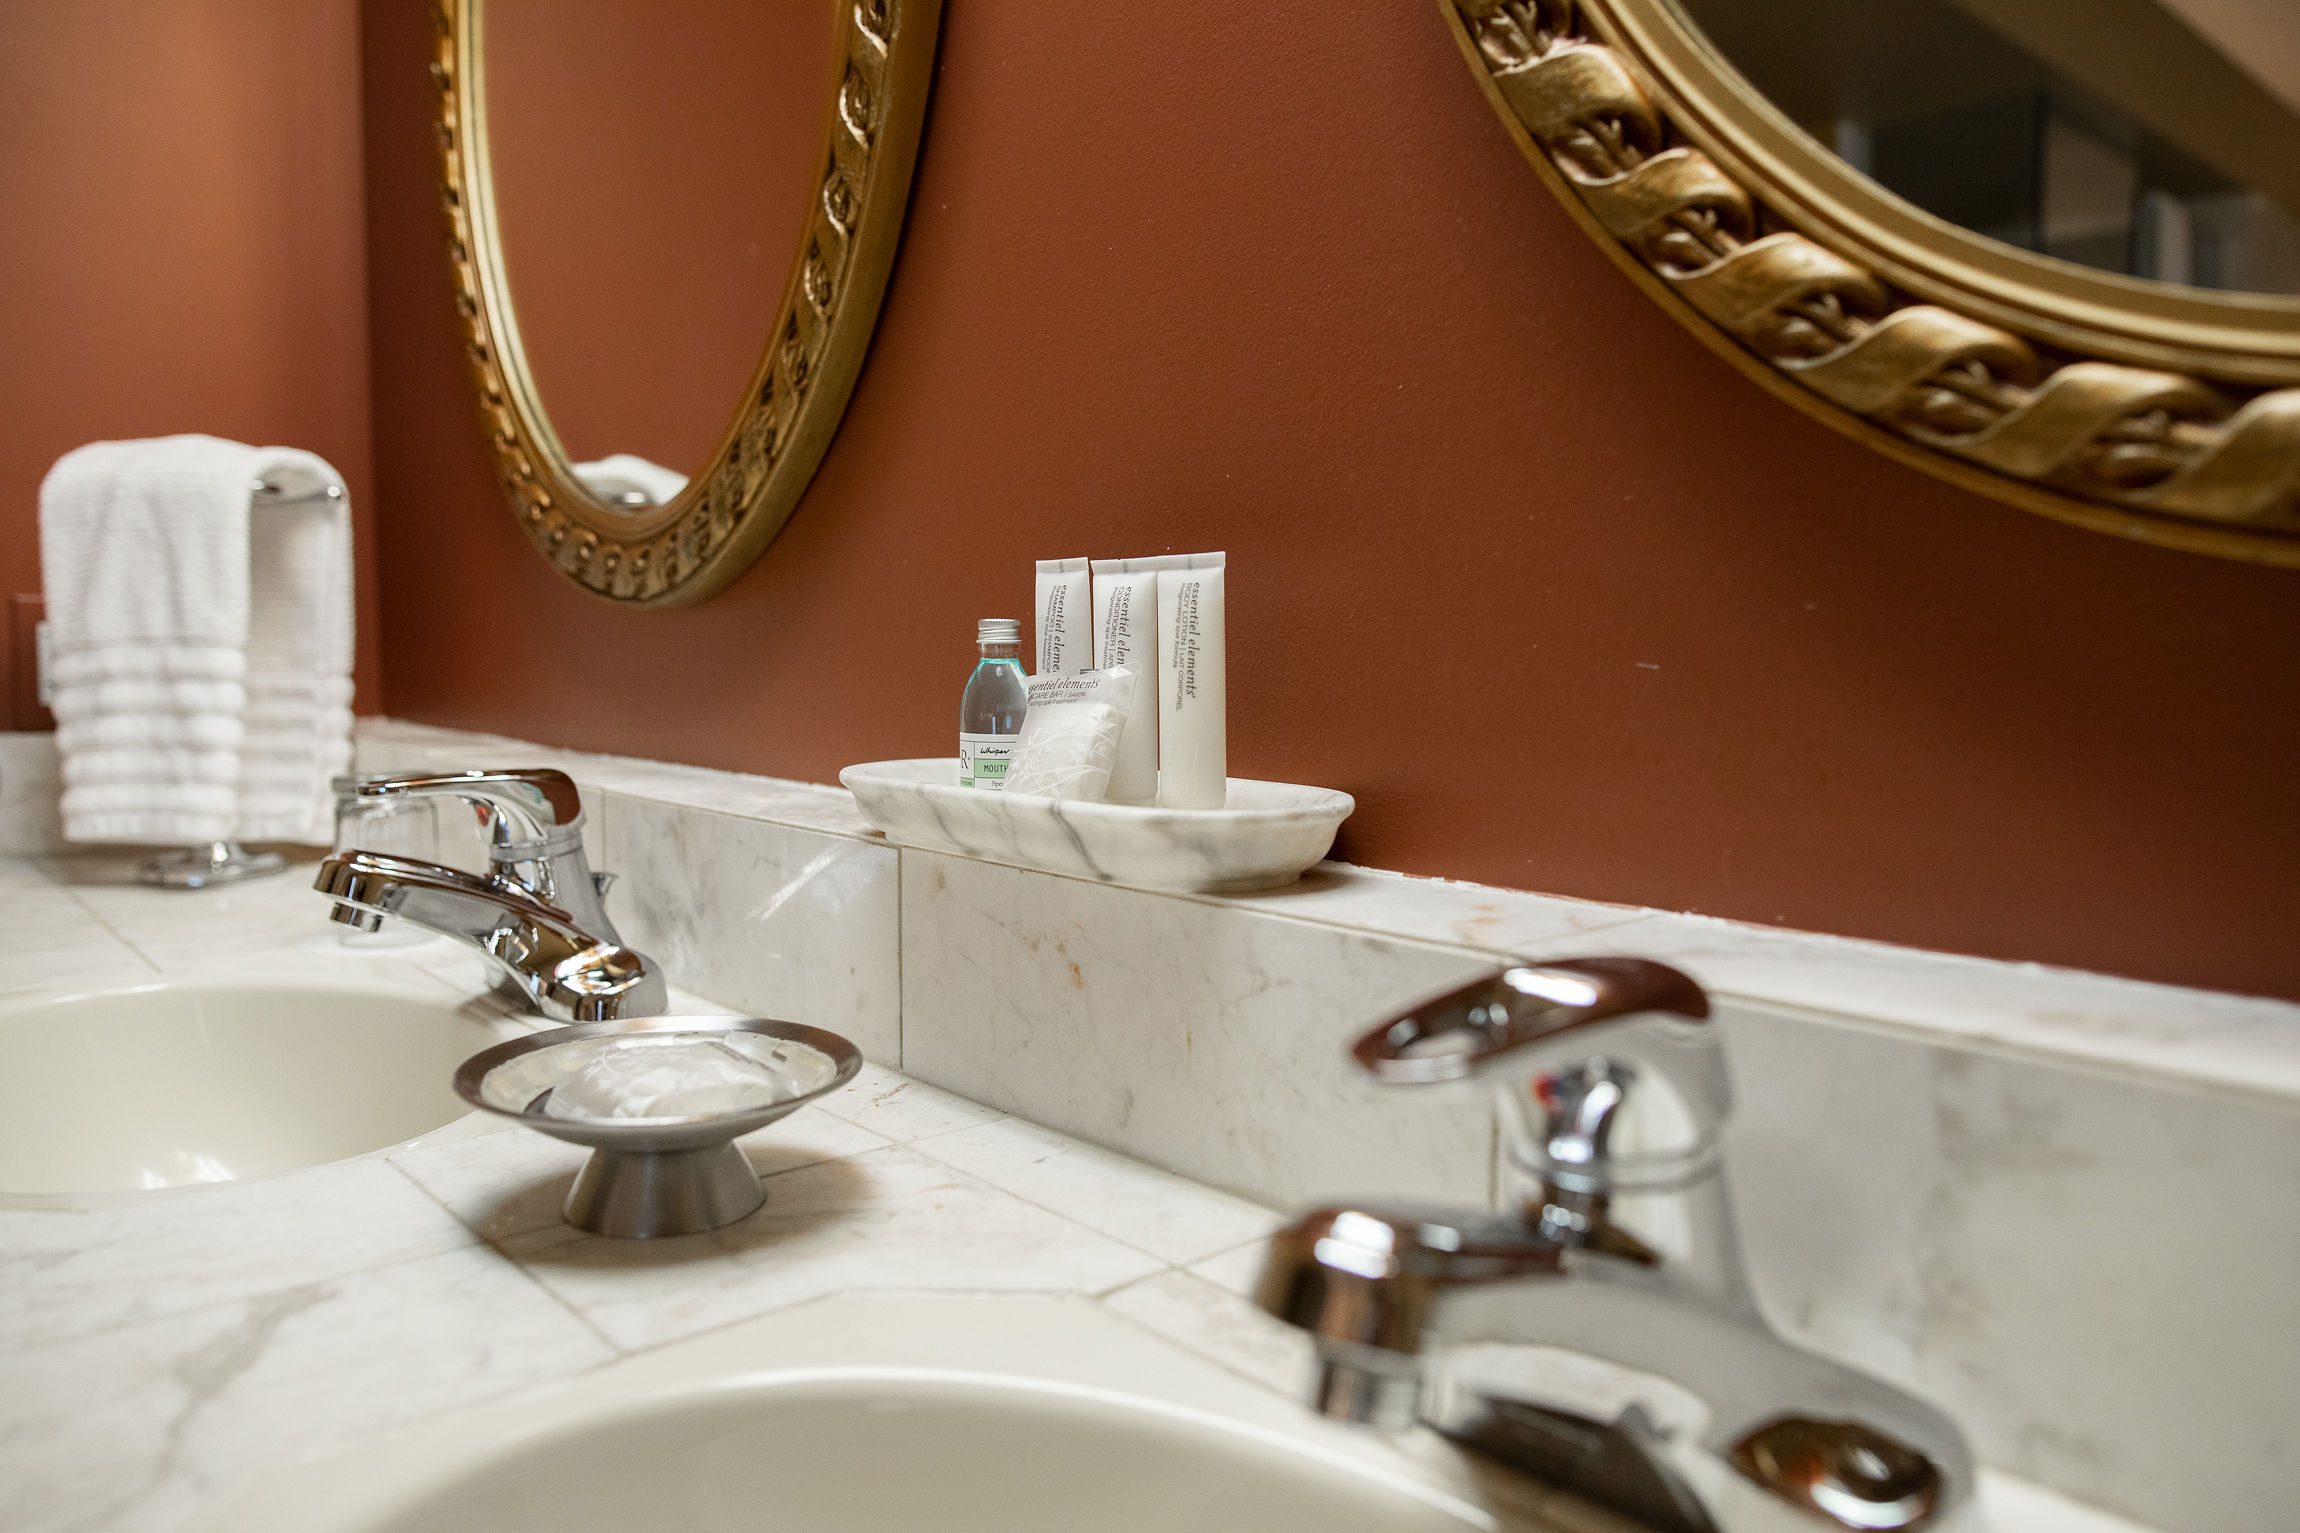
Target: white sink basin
x: 886, y: 1414
x: 171, y: 1083
x: 898, y: 1450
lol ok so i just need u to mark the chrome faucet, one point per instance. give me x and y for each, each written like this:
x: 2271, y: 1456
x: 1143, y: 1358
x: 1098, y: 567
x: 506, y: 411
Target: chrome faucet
x: 539, y: 912
x: 1697, y: 1417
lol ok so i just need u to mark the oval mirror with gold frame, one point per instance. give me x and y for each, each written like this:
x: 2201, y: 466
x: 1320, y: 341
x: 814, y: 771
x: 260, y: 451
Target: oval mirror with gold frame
x: 778, y: 363
x: 2154, y: 409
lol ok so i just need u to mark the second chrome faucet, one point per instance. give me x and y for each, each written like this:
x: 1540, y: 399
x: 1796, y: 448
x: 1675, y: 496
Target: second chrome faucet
x: 538, y: 912
x: 1684, y: 1411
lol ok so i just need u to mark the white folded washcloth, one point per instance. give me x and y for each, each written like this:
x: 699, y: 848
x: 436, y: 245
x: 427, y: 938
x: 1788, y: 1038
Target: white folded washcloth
x: 202, y: 639
x: 624, y: 473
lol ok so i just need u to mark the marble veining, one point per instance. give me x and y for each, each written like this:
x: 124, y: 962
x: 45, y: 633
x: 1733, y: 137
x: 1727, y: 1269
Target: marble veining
x: 771, y: 919
x: 134, y: 1429
x: 157, y: 1350
x: 2224, y: 1042
x: 1994, y: 1259
x: 66, y: 1273
x: 1184, y: 1034
x: 2092, y: 1273
x: 1263, y: 837
x: 1982, y: 1119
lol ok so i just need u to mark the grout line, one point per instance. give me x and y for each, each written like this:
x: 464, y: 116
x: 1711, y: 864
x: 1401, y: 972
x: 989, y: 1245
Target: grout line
x: 1073, y: 1222
x: 1217, y: 1358
x: 1255, y: 1244
x: 1071, y: 1219
x: 135, y: 948
x: 482, y: 1242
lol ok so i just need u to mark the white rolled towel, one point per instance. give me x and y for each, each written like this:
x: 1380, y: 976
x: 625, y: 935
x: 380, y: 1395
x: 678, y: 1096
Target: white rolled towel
x: 202, y: 639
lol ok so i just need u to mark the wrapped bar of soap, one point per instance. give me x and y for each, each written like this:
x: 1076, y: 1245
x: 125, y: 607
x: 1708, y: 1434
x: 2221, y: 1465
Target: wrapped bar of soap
x: 667, y: 1078
x: 1070, y: 734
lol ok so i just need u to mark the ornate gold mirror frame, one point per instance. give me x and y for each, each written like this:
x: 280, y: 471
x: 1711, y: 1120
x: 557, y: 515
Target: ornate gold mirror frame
x: 733, y: 507
x: 2160, y: 413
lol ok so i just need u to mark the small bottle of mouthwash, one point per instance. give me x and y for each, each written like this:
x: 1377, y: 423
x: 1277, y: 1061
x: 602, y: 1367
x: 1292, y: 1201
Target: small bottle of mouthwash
x: 990, y: 711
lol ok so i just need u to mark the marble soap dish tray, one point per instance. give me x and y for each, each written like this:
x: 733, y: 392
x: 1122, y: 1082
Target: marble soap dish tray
x: 1268, y: 833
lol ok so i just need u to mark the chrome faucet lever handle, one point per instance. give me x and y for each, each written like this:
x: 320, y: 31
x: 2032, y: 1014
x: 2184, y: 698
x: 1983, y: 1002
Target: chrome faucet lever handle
x: 1459, y: 1034
x: 564, y: 968
x: 534, y: 811
x: 1612, y: 1076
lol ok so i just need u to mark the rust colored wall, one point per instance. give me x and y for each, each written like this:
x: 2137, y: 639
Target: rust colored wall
x: 672, y: 147
x: 1565, y: 601
x: 181, y: 246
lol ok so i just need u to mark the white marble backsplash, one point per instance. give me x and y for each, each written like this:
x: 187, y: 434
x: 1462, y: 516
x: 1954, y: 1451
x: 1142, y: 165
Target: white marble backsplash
x: 2063, y: 1205
x: 31, y: 795
x: 794, y: 922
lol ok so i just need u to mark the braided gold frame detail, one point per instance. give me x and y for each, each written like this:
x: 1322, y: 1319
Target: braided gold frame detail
x: 2157, y: 455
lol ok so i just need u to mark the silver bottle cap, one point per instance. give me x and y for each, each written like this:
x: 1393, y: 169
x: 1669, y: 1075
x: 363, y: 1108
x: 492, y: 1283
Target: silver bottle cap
x: 999, y: 630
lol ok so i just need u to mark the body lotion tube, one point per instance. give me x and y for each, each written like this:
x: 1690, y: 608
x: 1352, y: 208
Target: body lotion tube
x: 1126, y: 633
x: 1193, y: 732
x: 1065, y: 626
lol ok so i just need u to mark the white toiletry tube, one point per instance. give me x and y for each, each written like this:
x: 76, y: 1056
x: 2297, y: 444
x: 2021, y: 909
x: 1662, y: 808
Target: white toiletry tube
x: 1126, y: 634
x: 1065, y: 618
x: 1193, y: 734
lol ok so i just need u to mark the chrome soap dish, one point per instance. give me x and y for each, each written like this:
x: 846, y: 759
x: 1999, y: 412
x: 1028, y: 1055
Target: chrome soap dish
x: 668, y: 1175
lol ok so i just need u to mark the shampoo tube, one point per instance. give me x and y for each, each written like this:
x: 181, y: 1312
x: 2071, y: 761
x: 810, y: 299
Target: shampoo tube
x: 1126, y: 634
x: 1065, y: 629
x: 1193, y: 734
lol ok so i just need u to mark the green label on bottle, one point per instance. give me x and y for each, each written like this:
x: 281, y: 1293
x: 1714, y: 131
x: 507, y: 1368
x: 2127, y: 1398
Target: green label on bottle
x: 983, y: 759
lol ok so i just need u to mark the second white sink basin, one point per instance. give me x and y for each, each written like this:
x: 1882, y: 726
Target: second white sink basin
x: 172, y: 1083
x: 894, y: 1451
x: 886, y: 1414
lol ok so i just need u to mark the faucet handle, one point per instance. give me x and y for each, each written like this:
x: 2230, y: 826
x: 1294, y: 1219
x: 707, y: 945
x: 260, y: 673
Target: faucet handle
x: 1614, y: 1074
x: 1459, y: 1034
x: 535, y: 811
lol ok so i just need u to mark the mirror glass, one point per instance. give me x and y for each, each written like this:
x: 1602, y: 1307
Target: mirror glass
x: 2157, y: 138
x: 652, y: 165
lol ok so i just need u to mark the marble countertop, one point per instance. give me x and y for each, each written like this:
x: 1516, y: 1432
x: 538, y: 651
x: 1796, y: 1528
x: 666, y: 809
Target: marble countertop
x: 156, y: 1351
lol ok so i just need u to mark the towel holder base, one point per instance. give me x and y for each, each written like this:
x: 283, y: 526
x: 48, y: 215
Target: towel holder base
x: 218, y: 862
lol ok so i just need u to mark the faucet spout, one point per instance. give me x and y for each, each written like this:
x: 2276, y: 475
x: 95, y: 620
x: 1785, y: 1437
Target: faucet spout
x: 564, y: 971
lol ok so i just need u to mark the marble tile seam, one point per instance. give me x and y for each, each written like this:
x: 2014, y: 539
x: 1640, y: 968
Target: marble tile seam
x: 527, y: 1278
x: 500, y: 1248
x: 71, y: 892
x: 1228, y: 1361
x: 1069, y: 1219
x: 1114, y: 1230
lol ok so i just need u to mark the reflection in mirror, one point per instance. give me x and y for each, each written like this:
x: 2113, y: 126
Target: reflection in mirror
x: 653, y: 165
x: 2158, y: 138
